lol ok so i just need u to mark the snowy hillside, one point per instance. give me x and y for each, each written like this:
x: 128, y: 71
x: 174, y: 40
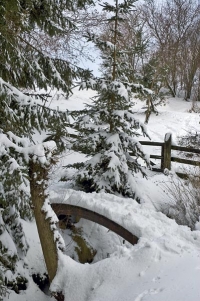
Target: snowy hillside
x: 163, y: 266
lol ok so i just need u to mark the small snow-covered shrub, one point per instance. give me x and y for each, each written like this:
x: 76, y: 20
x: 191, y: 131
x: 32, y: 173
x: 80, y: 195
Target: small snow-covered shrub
x: 185, y: 197
x: 185, y: 191
x: 192, y: 139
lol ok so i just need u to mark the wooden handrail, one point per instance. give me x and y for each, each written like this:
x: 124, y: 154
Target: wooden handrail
x: 66, y: 209
x: 151, y: 143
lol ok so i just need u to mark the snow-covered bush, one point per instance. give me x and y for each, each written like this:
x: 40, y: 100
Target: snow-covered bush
x: 191, y: 139
x: 185, y: 200
x: 185, y: 191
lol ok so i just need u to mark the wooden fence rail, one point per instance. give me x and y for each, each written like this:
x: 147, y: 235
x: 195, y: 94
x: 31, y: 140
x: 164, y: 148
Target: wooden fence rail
x: 166, y: 153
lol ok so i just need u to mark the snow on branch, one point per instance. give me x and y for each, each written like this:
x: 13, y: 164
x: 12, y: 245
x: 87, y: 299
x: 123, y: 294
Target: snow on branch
x: 121, y: 88
x: 10, y: 91
x: 99, y: 43
x: 53, y: 221
x: 42, y: 152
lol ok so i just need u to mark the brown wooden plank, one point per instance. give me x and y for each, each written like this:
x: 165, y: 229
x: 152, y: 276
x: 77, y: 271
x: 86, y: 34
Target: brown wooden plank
x: 66, y: 209
x: 185, y: 149
x: 156, y: 157
x: 157, y: 169
x: 185, y: 161
x: 151, y: 143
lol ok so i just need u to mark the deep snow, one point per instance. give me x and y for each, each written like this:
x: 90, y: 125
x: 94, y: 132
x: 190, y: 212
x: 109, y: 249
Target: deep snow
x: 163, y: 266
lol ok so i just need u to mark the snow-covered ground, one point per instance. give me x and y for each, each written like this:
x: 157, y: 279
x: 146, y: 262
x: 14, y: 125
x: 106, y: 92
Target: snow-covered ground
x: 163, y: 266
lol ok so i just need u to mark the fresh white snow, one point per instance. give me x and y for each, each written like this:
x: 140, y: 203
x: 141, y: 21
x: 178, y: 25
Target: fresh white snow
x: 163, y: 266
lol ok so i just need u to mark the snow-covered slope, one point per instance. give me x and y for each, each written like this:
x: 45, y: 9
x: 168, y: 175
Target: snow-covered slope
x: 173, y: 117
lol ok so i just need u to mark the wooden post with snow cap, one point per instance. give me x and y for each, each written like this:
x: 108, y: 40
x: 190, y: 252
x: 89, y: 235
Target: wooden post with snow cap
x: 166, y: 152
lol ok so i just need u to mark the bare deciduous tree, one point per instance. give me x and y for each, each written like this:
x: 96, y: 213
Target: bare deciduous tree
x: 174, y: 25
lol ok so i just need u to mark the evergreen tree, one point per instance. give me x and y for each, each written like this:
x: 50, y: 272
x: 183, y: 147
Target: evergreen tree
x: 22, y: 67
x: 108, y: 129
x: 132, y: 43
x: 133, y: 47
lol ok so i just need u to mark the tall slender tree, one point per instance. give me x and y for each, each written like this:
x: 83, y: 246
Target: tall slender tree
x: 107, y: 127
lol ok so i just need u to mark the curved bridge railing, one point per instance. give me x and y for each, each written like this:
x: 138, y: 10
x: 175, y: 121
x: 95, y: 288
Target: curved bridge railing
x: 66, y: 209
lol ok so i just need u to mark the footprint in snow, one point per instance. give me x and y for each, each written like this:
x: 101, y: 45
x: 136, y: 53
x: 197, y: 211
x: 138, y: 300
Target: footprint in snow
x: 151, y: 291
x: 156, y: 279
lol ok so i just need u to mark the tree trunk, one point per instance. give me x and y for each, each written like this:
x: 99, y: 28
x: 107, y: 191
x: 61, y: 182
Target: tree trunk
x: 38, y: 177
x: 188, y: 91
x: 171, y: 89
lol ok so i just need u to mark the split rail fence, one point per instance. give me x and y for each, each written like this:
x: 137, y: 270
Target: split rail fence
x: 166, y: 156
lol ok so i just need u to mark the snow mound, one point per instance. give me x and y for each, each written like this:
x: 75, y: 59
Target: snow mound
x: 140, y: 219
x: 160, y: 262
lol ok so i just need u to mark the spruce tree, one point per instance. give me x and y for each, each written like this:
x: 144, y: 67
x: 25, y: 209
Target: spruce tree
x: 24, y: 67
x: 108, y: 128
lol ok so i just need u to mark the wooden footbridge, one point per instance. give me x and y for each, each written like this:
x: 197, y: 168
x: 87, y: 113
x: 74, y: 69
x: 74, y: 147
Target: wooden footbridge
x: 66, y: 209
x: 166, y: 159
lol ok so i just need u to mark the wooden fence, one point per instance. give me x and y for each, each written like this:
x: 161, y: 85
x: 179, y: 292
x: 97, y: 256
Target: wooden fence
x: 166, y: 153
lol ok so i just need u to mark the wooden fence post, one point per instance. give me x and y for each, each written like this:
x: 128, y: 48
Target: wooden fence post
x: 166, y: 152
